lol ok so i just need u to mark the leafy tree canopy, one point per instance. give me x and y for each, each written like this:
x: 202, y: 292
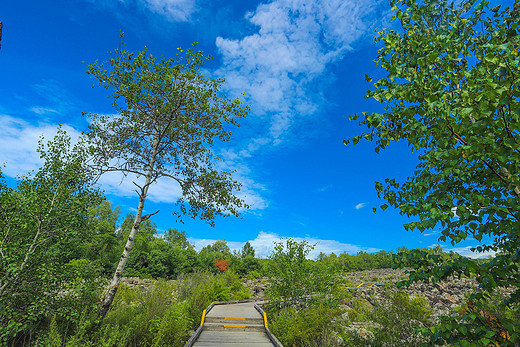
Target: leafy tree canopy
x: 248, y: 250
x: 177, y: 238
x: 169, y: 117
x: 219, y: 246
x: 451, y: 91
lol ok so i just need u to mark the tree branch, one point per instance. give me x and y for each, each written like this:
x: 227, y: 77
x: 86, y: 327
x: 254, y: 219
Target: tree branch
x: 506, y: 125
x: 483, y: 161
x: 147, y: 216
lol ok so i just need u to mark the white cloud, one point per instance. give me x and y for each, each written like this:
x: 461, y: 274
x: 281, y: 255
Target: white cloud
x: 253, y: 199
x: 252, y: 190
x: 61, y: 101
x: 466, y: 251
x: 19, y: 141
x: 322, y: 189
x: 173, y: 10
x: 360, y: 205
x: 432, y: 233
x: 278, y: 66
x: 43, y: 110
x: 263, y: 245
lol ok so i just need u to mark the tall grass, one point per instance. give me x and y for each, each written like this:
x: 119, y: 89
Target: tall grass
x: 162, y: 315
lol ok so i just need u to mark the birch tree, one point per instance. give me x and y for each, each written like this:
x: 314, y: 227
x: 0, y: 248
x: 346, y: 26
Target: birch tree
x: 168, y: 119
x: 43, y: 227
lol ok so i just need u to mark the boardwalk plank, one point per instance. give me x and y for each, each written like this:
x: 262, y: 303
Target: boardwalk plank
x: 234, y: 338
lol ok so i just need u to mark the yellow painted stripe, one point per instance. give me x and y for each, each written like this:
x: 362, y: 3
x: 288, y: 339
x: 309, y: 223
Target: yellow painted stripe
x: 265, y: 320
x: 372, y: 284
x: 234, y: 326
x: 360, y: 284
x: 235, y: 318
x: 203, y: 316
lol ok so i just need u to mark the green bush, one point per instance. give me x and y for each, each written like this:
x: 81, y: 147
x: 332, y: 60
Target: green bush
x: 245, y: 265
x: 151, y: 317
x: 293, y: 277
x: 135, y: 310
x: 254, y: 275
x: 310, y: 327
x: 393, y: 323
x: 359, y: 310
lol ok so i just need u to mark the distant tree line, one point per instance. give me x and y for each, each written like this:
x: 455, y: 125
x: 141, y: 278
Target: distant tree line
x: 158, y: 256
x: 170, y: 254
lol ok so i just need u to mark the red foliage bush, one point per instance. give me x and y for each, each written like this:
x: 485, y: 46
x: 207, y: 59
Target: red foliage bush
x: 221, y: 264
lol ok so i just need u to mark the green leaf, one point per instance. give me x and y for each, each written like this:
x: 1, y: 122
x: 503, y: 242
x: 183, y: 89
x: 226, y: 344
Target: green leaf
x: 463, y: 329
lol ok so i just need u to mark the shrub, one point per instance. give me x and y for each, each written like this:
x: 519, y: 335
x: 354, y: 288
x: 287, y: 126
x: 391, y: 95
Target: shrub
x: 396, y: 320
x: 173, y: 328
x: 487, y: 321
x: 137, y: 318
x: 309, y: 327
x: 221, y: 264
x: 254, y: 275
x: 199, y: 289
x: 293, y: 276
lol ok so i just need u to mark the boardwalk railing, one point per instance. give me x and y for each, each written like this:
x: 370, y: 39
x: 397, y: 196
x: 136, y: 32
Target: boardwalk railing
x: 195, y: 336
x: 365, y: 285
x: 271, y: 337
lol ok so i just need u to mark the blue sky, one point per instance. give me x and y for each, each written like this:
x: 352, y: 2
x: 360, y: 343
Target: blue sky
x: 301, y: 64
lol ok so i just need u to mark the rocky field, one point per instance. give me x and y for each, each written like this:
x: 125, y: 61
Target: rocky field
x: 442, y: 297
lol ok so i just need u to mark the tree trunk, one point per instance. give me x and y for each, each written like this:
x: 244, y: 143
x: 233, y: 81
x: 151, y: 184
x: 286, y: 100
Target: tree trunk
x: 111, y: 293
x: 12, y: 282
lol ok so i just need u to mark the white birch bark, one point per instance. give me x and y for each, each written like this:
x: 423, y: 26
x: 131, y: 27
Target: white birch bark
x: 116, y: 279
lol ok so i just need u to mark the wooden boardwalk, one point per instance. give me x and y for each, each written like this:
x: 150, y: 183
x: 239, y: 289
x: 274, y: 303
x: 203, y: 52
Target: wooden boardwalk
x: 233, y: 324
